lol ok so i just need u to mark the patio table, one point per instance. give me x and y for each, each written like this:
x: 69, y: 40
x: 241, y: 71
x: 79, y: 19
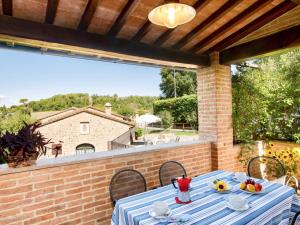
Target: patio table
x: 208, y: 206
x: 296, y: 207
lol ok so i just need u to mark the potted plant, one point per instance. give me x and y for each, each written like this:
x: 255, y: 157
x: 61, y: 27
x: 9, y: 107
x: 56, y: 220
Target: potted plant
x: 24, y: 147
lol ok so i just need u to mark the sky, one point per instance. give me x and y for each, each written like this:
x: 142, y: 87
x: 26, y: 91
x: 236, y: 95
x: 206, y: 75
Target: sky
x: 36, y: 76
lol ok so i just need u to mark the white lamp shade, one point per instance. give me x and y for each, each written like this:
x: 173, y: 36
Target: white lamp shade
x: 172, y: 14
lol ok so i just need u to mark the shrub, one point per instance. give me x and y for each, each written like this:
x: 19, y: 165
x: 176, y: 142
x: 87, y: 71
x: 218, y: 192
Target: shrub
x: 24, y: 147
x: 182, y: 109
x: 138, y: 132
x: 166, y: 118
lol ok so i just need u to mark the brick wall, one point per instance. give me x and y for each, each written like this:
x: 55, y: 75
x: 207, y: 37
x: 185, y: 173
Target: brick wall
x: 215, y: 111
x: 77, y: 192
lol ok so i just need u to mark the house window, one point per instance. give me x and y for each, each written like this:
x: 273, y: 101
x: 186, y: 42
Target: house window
x: 84, y: 148
x: 84, y: 128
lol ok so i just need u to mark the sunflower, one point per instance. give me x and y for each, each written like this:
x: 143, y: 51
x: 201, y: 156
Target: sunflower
x: 285, y: 157
x: 221, y: 186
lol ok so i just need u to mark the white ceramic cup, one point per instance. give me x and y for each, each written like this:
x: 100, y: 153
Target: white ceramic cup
x: 160, y: 208
x: 240, y: 176
x: 237, y: 201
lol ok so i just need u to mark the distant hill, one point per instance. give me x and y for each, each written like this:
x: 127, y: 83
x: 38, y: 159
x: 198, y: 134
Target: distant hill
x: 126, y: 106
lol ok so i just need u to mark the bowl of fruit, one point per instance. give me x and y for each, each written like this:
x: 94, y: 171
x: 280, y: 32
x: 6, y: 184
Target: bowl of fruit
x: 220, y: 186
x: 251, y: 186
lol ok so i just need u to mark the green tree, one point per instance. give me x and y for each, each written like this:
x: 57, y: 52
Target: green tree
x: 167, y: 118
x: 13, y: 122
x: 185, y: 83
x: 126, y: 106
x: 266, y: 99
x: 23, y: 101
x: 183, y: 109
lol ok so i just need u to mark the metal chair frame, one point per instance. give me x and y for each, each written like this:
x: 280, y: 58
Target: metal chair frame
x: 160, y: 170
x: 281, y: 165
x: 264, y: 157
x: 122, y: 171
x: 295, y: 218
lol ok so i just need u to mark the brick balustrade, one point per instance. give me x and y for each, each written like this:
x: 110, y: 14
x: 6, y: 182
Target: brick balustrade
x: 75, y: 190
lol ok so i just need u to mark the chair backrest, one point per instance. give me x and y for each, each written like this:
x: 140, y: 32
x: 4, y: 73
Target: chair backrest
x: 125, y: 183
x: 265, y: 167
x: 295, y: 218
x: 170, y: 170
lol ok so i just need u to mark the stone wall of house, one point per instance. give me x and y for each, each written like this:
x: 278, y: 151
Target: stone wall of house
x: 67, y: 130
x: 78, y: 192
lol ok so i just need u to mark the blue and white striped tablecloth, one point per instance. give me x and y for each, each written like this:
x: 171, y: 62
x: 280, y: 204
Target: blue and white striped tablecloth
x: 296, y: 207
x: 208, y: 207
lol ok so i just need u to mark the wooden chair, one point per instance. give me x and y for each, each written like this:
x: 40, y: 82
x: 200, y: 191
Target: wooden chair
x: 125, y: 183
x: 170, y: 170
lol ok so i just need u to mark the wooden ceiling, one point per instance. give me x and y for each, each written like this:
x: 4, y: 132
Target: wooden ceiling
x: 121, y: 27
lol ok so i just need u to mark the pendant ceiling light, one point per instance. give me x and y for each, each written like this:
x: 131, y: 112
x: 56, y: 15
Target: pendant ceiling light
x: 172, y: 14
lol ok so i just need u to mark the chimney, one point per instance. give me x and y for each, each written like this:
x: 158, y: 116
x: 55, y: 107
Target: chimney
x: 108, y: 107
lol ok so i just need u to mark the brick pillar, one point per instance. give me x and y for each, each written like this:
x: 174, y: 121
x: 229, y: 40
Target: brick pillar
x: 215, y: 111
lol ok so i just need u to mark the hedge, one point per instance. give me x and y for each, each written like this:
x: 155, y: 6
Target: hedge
x: 181, y: 108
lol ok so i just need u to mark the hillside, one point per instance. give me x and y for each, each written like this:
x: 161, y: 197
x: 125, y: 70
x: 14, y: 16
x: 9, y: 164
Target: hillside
x: 126, y: 106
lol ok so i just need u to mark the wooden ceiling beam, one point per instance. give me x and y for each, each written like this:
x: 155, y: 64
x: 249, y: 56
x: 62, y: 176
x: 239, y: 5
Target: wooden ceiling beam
x: 296, y: 1
x: 142, y: 32
x: 250, y: 11
x: 120, y: 21
x: 7, y: 7
x: 276, y: 42
x: 274, y: 13
x: 47, y: 33
x: 51, y: 11
x: 88, y: 14
x: 167, y: 34
x: 229, y: 5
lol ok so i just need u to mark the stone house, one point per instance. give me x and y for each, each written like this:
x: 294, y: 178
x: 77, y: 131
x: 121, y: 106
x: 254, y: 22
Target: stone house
x: 79, y: 131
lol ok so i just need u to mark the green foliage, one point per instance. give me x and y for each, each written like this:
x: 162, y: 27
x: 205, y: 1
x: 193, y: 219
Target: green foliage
x: 185, y: 83
x: 192, y: 119
x: 266, y: 99
x: 183, y: 109
x: 23, y: 101
x: 13, y: 122
x: 126, y: 106
x: 60, y: 102
x: 167, y: 118
x: 138, y: 132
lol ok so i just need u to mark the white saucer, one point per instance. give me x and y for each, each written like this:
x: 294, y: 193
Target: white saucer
x: 245, y: 207
x: 167, y: 215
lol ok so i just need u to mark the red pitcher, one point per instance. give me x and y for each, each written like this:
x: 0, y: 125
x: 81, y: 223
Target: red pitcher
x: 183, y: 183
